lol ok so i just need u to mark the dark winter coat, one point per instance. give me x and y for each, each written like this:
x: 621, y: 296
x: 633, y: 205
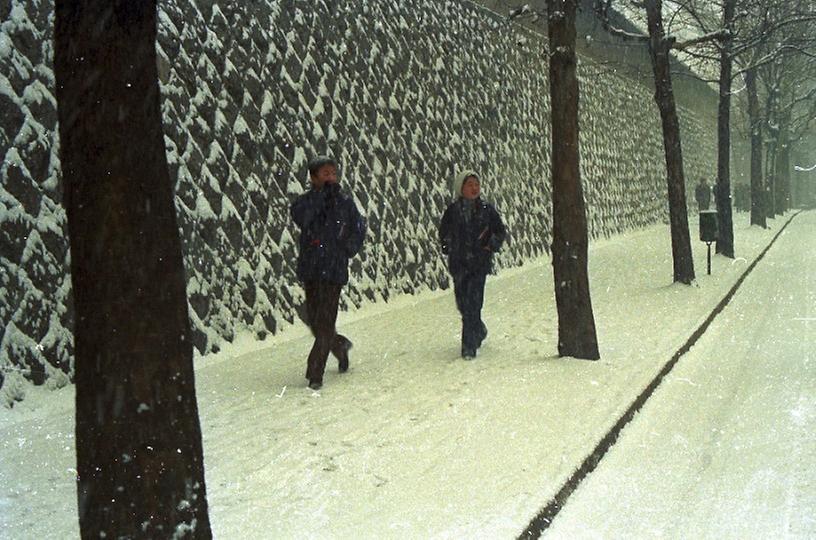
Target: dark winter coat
x: 702, y: 193
x: 469, y: 242
x: 331, y: 232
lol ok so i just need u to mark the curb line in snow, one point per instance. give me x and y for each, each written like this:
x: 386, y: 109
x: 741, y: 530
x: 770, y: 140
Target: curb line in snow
x: 545, y: 517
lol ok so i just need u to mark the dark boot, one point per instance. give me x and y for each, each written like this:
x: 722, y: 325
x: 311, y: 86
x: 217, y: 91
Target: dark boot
x: 482, y: 334
x: 340, y: 349
x: 315, y: 385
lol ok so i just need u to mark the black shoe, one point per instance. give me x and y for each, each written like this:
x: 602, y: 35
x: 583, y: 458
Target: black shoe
x: 468, y: 354
x: 315, y: 385
x: 343, y: 359
x: 482, y: 334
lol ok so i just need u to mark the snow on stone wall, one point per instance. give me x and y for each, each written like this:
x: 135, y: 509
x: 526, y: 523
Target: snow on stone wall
x: 402, y: 93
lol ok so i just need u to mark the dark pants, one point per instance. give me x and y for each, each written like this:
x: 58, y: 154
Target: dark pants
x: 322, y: 299
x: 469, y: 291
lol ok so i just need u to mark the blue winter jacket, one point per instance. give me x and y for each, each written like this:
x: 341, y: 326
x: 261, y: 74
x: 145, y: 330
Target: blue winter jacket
x: 331, y: 232
x: 470, y: 243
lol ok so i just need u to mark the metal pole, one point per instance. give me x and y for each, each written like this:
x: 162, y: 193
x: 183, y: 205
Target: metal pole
x: 709, y: 257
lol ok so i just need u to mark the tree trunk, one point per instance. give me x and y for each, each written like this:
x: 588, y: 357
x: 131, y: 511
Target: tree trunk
x: 576, y: 322
x: 755, y: 122
x: 659, y: 48
x: 772, y: 127
x: 783, y: 174
x: 725, y: 230
x: 770, y: 178
x: 138, y: 439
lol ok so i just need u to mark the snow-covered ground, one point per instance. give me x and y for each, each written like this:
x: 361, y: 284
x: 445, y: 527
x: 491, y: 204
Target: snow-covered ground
x: 725, y: 448
x: 414, y: 442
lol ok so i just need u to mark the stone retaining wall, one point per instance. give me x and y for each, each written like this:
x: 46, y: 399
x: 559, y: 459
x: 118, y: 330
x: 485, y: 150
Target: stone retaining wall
x: 402, y: 93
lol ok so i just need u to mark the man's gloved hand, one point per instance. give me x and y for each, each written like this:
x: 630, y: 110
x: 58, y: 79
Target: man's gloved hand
x: 332, y: 189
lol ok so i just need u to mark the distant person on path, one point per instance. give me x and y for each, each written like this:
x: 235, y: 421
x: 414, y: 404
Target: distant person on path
x: 470, y: 232
x: 702, y: 193
x: 331, y: 232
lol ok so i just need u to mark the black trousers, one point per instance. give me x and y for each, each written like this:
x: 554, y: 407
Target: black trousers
x: 322, y: 300
x: 468, y: 287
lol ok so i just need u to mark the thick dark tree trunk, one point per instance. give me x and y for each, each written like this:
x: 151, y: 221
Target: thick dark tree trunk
x: 138, y: 439
x: 576, y: 322
x: 725, y: 238
x: 755, y: 122
x: 659, y: 48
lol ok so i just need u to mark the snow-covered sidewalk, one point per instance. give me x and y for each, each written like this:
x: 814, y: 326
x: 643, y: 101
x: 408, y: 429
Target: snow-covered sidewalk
x: 413, y: 441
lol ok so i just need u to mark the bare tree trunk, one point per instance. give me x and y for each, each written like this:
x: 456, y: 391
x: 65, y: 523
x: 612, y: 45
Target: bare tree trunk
x: 770, y: 177
x: 755, y: 122
x: 783, y: 174
x: 725, y: 234
x: 664, y: 96
x: 772, y: 130
x: 138, y: 439
x: 576, y: 322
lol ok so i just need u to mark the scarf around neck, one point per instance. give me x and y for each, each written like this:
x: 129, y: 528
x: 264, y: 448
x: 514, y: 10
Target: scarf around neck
x: 468, y: 209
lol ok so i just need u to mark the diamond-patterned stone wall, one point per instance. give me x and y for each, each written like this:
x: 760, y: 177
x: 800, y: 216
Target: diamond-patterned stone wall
x: 402, y: 93
x: 35, y: 302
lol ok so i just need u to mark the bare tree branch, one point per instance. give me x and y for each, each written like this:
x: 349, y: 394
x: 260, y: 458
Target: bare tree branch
x: 719, y: 35
x: 602, y: 10
x: 766, y: 33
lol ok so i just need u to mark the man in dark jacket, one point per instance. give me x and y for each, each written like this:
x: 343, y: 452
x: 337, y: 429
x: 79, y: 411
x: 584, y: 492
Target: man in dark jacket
x: 331, y: 232
x: 470, y: 232
x: 702, y: 193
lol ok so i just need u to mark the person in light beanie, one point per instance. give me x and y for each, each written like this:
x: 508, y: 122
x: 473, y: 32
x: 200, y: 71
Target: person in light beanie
x: 470, y: 232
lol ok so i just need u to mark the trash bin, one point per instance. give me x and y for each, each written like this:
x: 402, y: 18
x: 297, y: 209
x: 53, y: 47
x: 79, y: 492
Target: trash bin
x: 708, y: 226
x: 708, y: 231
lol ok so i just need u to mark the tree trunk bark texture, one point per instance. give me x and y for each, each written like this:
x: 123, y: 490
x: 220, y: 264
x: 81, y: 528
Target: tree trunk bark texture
x: 138, y: 439
x: 576, y: 323
x: 770, y: 177
x: 771, y: 151
x: 782, y: 196
x: 659, y: 48
x: 725, y: 229
x: 754, y: 120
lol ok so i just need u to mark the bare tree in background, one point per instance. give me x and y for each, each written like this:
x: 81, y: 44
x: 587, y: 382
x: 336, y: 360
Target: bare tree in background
x: 138, y: 439
x: 725, y: 228
x: 660, y: 45
x: 799, y: 118
x: 788, y: 80
x: 734, y: 36
x: 713, y: 24
x: 755, y: 130
x: 771, y: 34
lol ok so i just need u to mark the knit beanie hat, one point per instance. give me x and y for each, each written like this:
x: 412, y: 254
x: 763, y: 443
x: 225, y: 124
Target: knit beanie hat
x: 459, y: 180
